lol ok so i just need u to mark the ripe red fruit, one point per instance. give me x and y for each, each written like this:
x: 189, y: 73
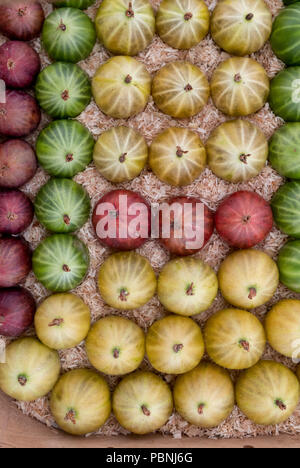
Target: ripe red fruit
x: 22, y: 20
x: 18, y: 163
x: 20, y: 115
x: 16, y: 212
x: 244, y: 219
x: 132, y: 223
x: 17, y: 309
x: 15, y: 261
x: 187, y: 227
x: 19, y: 64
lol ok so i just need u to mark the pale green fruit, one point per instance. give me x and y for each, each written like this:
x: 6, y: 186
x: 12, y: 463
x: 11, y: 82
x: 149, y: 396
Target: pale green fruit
x: 30, y: 370
x: 125, y: 27
x: 268, y: 393
x: 187, y: 286
x: 204, y: 396
x: 62, y: 321
x: 174, y: 345
x: 120, y: 154
x: 234, y: 339
x: 142, y: 402
x: 115, y: 345
x: 248, y: 278
x: 126, y: 281
x: 180, y: 89
x: 121, y: 87
x: 177, y: 156
x: 182, y: 24
x: 237, y: 150
x: 242, y: 27
x: 283, y: 327
x: 240, y: 86
x: 80, y: 402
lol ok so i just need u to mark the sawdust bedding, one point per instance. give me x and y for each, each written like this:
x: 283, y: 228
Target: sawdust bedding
x: 208, y: 187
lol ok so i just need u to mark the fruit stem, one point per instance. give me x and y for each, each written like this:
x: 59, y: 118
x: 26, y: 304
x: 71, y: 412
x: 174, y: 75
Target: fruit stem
x: 56, y: 322
x: 67, y: 220
x: 180, y: 152
x: 188, y: 87
x: 201, y: 408
x: 65, y: 95
x: 71, y: 416
x: 22, y: 11
x: 252, y: 293
x: 129, y: 12
x: 177, y: 348
x: 243, y: 158
x: 128, y: 79
x: 245, y: 345
x: 246, y: 219
x: 123, y: 295
x: 280, y: 405
x: 190, y: 290
x: 122, y: 158
x: 10, y: 64
x: 116, y: 353
x: 22, y: 380
x: 69, y: 157
x: 145, y: 410
x: 62, y: 26
x: 12, y: 216
x: 249, y: 17
x: 237, y: 78
x: 188, y: 16
x: 66, y: 269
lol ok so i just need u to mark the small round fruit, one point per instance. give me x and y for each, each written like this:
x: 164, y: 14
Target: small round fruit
x: 80, y: 402
x: 186, y: 231
x: 115, y: 345
x: 187, y: 286
x: 284, y: 96
x: 286, y: 205
x: 289, y: 265
x: 241, y: 28
x: 204, y: 396
x: 62, y: 321
x: 15, y: 261
x: 122, y: 220
x: 120, y: 154
x: 22, y: 20
x: 81, y: 4
x: 184, y: 24
x: 237, y: 150
x: 62, y: 206
x: 18, y: 163
x: 268, y: 393
x: 19, y: 115
x: 240, y: 86
x: 122, y: 87
x: 142, y: 402
x: 64, y: 148
x: 248, y: 278
x: 177, y: 156
x: 63, y: 90
x: 244, y: 219
x: 30, y: 370
x: 126, y: 281
x: 16, y: 212
x: 174, y: 345
x: 283, y: 327
x: 234, y: 339
x: 285, y: 39
x: 180, y: 89
x: 17, y: 309
x: 60, y: 262
x: 125, y: 27
x: 19, y: 64
x: 284, y: 150
x: 68, y: 35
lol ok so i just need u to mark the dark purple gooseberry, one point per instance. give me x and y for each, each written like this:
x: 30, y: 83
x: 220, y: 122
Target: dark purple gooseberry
x: 16, y: 212
x: 15, y: 261
x: 22, y: 20
x: 18, y: 163
x: 19, y: 115
x: 17, y: 309
x: 19, y: 64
